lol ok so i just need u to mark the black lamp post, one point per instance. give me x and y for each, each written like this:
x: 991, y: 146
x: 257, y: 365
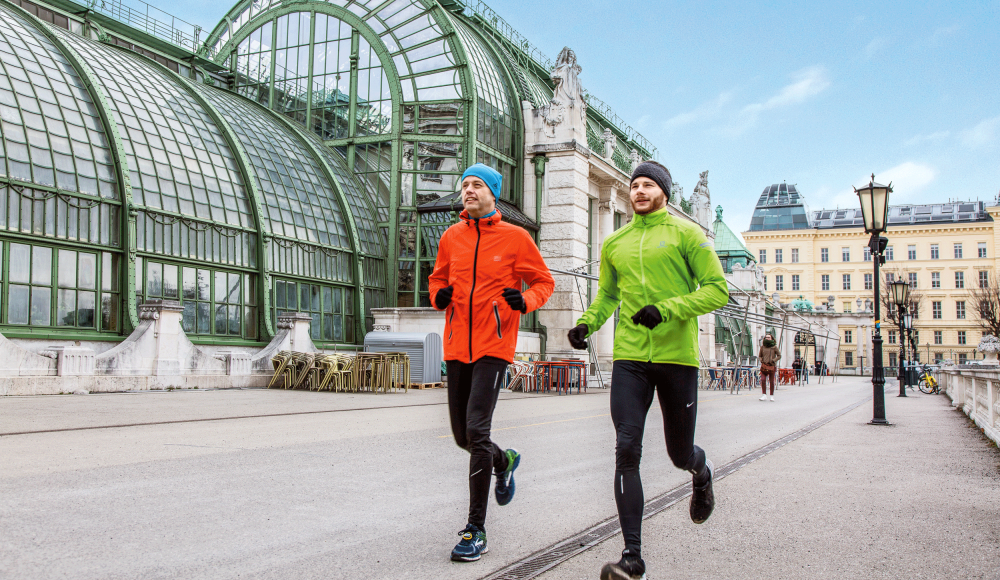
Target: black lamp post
x: 900, y: 292
x: 874, y: 200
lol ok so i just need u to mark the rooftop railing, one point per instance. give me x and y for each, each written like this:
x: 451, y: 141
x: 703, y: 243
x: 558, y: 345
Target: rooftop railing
x: 151, y: 20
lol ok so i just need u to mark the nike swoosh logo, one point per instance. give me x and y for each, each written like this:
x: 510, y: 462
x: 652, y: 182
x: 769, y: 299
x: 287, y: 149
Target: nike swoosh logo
x: 691, y: 403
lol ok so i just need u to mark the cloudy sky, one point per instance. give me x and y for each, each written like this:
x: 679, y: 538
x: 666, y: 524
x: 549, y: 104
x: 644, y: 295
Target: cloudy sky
x: 816, y: 94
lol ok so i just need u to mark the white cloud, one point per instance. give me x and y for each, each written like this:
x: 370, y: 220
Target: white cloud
x: 876, y: 46
x: 945, y: 31
x: 703, y: 112
x: 983, y: 134
x: 807, y: 82
x: 918, y: 139
x: 907, y: 178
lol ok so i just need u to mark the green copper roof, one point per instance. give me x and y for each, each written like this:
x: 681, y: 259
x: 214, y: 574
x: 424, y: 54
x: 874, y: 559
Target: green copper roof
x: 726, y: 242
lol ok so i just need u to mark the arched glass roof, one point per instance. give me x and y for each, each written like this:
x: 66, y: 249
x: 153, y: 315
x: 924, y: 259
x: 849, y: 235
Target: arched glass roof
x: 178, y: 158
x: 52, y: 133
x: 491, y: 84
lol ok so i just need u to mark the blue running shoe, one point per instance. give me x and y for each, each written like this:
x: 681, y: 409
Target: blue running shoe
x: 504, y: 489
x: 472, y: 546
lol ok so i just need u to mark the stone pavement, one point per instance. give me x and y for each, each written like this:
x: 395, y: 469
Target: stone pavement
x: 918, y: 499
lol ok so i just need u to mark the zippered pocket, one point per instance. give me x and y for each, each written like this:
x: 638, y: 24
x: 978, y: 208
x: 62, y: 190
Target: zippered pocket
x: 496, y: 314
x: 451, y: 327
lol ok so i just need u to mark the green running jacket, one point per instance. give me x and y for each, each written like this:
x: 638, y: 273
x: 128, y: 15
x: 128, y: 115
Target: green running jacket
x: 661, y: 260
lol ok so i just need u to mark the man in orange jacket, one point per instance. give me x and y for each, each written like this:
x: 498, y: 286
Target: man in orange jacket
x: 481, y: 264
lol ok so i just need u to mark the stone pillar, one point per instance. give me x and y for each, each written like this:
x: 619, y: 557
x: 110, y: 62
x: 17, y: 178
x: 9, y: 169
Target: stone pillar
x: 604, y: 340
x: 167, y: 333
x: 298, y: 324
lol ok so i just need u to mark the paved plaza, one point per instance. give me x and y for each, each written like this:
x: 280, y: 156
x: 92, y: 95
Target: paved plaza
x: 290, y: 484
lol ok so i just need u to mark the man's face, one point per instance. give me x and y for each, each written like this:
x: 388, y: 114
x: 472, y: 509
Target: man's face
x: 477, y: 197
x: 646, y: 196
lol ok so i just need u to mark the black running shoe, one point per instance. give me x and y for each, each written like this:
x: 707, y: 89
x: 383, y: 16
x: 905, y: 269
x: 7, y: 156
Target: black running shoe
x: 702, y: 498
x: 472, y: 545
x: 505, y: 487
x: 630, y: 567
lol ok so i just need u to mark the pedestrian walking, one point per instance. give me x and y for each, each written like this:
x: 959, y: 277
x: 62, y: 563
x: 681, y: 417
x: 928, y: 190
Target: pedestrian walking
x: 768, y: 357
x: 482, y: 264
x: 663, y: 273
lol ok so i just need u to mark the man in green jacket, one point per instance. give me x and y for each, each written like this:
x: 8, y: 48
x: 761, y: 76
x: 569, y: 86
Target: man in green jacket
x: 663, y: 273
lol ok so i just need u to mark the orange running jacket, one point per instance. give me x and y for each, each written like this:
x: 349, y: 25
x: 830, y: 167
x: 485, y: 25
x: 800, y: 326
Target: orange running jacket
x: 480, y: 258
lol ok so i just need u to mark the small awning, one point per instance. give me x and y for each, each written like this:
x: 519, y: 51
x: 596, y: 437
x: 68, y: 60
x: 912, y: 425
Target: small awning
x: 453, y: 202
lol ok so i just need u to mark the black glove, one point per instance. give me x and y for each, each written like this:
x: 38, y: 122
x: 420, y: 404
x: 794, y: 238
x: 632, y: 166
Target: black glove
x: 578, y: 337
x: 649, y: 317
x: 443, y: 298
x: 515, y: 300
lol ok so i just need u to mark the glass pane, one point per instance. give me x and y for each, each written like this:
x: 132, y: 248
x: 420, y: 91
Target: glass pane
x: 314, y: 306
x: 327, y: 299
x: 17, y: 304
x: 154, y: 279
x: 41, y: 306
x: 88, y: 270
x: 204, y: 285
x: 250, y: 315
x: 66, y: 309
x: 249, y: 290
x: 304, y: 296
x: 315, y: 325
x: 170, y: 281
x: 220, y: 288
x: 337, y: 305
x: 67, y: 269
x: 140, y: 276
x: 20, y: 264
x: 189, y: 289
x: 234, y: 319
x: 86, y: 305
x: 188, y: 317
x: 279, y: 294
x: 234, y: 289
x: 221, y: 319
x: 348, y: 329
x: 338, y: 328
x: 328, y: 327
x: 41, y: 266
x: 109, y: 312
x: 109, y: 272
x: 204, y: 318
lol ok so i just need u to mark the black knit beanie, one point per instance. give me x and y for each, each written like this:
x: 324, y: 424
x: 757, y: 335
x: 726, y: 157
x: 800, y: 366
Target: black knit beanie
x: 657, y: 173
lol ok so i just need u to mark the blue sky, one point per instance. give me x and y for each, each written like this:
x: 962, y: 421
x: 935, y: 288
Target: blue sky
x: 816, y: 94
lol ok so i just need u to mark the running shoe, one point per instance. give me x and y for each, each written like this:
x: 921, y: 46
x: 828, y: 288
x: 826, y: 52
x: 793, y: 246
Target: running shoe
x: 472, y: 546
x: 630, y: 567
x: 504, y: 489
x: 702, y: 498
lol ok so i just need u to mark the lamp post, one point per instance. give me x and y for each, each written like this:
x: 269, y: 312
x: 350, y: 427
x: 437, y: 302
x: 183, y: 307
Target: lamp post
x: 928, y: 353
x: 874, y: 200
x: 899, y: 291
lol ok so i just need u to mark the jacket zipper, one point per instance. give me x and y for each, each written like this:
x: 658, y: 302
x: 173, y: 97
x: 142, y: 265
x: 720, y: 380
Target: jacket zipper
x: 451, y: 328
x: 496, y: 313
x: 475, y: 261
x: 645, y: 295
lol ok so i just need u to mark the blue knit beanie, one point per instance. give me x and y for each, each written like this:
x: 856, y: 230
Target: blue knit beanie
x: 490, y: 177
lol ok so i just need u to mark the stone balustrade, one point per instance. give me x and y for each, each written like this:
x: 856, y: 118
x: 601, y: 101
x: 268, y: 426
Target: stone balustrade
x: 976, y: 391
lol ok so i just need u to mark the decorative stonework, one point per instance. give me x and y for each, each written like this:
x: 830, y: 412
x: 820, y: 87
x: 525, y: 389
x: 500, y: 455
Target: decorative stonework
x: 610, y: 142
x: 381, y: 328
x: 701, y: 201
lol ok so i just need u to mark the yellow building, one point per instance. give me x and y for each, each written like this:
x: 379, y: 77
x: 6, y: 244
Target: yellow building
x: 942, y: 249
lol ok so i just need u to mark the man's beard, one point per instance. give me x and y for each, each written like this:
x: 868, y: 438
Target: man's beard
x: 652, y: 208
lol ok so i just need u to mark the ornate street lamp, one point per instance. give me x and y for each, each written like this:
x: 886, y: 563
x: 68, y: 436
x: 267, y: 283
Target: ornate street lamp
x: 900, y: 293
x: 874, y: 200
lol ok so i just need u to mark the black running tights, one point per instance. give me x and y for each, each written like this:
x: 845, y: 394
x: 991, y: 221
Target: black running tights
x: 632, y: 387
x: 473, y: 389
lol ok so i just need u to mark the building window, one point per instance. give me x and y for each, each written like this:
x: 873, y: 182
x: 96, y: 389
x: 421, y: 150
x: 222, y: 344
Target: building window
x: 935, y: 254
x: 935, y: 279
x: 763, y: 256
x: 795, y: 281
x: 849, y: 359
x: 892, y: 337
x: 958, y: 251
x: 961, y: 337
x: 912, y: 279
x: 847, y: 281
x: 962, y: 358
x: 938, y: 337
x: 845, y: 254
x: 848, y: 336
x: 959, y: 280
x: 911, y: 252
x: 888, y: 253
x: 779, y: 283
x: 825, y: 282
x: 984, y: 279
x: 215, y: 302
x: 936, y: 310
x: 868, y: 282
x: 779, y: 256
x: 824, y: 255
x: 960, y: 310
x: 982, y: 249
x: 795, y: 255
x: 847, y: 306
x: 892, y: 359
x: 866, y: 254
x: 331, y: 308
x: 765, y: 283
x: 916, y: 337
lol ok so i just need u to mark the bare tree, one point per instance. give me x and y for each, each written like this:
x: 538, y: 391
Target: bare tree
x: 984, y: 299
x: 889, y: 311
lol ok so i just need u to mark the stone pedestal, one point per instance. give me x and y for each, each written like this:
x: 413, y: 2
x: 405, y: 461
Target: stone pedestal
x: 73, y: 361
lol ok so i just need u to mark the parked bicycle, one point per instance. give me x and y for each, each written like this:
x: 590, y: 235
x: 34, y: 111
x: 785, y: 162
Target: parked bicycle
x: 926, y: 382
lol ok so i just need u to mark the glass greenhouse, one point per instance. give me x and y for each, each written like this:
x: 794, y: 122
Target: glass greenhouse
x: 301, y: 157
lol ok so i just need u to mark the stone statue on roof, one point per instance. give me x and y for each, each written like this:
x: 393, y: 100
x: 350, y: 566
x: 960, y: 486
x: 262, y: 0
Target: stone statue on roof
x: 567, y: 102
x: 701, y: 202
x: 676, y: 194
